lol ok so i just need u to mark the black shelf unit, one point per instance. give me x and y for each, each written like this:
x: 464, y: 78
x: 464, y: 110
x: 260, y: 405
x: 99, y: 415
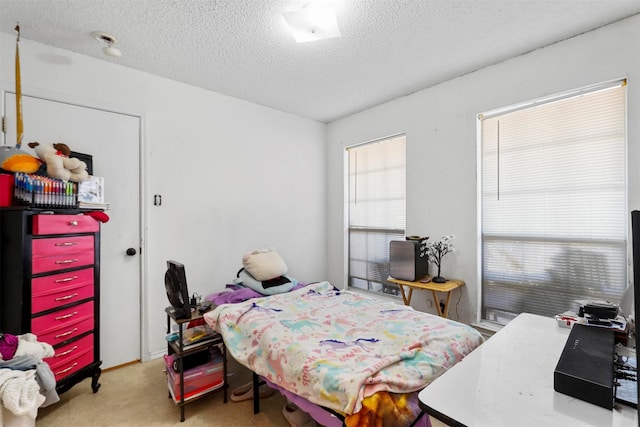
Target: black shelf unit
x: 175, y: 347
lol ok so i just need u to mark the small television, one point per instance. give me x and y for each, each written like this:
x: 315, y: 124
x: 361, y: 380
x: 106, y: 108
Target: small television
x: 175, y: 283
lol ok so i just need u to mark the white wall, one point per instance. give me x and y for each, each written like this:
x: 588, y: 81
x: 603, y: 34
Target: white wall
x: 440, y: 123
x: 262, y: 173
x: 269, y: 176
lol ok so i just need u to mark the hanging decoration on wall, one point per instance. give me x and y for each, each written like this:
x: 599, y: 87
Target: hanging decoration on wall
x: 13, y: 159
x: 19, y: 125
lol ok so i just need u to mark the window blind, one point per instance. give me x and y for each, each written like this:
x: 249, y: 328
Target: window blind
x: 554, y: 205
x: 376, y: 204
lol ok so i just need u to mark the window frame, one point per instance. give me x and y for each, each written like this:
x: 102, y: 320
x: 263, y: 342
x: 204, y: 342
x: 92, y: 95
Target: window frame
x: 481, y: 318
x: 387, y: 289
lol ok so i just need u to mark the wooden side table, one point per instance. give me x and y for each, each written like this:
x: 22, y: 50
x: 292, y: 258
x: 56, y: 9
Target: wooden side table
x: 447, y: 287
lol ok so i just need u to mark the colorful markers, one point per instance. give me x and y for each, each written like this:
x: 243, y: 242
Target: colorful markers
x: 44, y: 192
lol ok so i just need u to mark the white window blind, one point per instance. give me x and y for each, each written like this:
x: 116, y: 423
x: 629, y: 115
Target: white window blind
x: 377, y: 178
x: 554, y: 205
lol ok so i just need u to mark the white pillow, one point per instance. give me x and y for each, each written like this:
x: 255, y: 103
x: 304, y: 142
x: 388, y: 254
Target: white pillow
x: 264, y: 264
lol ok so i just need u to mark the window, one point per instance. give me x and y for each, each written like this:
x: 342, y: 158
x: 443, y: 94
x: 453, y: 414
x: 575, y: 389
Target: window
x: 554, y: 204
x: 376, y: 211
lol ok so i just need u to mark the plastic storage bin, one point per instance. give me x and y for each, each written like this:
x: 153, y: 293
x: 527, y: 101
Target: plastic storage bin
x: 198, y: 380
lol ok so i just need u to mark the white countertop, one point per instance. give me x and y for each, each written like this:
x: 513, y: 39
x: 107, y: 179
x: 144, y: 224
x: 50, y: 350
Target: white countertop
x: 508, y: 381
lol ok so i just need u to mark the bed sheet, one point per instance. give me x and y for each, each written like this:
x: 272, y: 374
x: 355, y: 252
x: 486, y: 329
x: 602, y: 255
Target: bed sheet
x: 381, y: 409
x: 334, y: 348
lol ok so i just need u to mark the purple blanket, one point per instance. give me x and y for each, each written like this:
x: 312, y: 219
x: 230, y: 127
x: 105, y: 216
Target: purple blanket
x: 234, y: 293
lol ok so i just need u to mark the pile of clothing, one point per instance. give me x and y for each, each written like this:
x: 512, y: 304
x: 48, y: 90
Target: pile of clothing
x: 26, y: 381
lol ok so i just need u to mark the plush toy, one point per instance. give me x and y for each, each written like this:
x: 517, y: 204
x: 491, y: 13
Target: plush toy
x: 59, y: 164
x: 15, y: 160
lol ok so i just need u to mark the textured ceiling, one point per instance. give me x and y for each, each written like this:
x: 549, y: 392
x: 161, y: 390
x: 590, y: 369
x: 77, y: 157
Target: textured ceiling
x: 241, y: 48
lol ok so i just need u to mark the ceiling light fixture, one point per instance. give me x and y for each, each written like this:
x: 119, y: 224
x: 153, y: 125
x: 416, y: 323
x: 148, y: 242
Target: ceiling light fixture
x: 109, y: 40
x: 315, y: 21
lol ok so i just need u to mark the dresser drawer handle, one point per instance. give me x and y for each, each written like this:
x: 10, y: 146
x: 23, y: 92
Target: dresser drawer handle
x: 66, y: 316
x: 66, y: 244
x: 68, y: 369
x: 67, y: 333
x: 67, y: 261
x: 75, y: 347
x: 66, y: 297
x: 66, y: 279
x: 73, y: 223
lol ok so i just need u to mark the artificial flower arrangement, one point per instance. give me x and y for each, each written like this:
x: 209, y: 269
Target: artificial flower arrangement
x: 436, y: 251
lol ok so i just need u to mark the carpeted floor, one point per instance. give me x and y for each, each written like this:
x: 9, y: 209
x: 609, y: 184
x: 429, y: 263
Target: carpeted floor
x: 136, y: 395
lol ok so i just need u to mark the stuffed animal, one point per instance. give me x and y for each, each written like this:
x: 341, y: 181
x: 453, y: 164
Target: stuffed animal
x: 59, y: 164
x: 15, y: 160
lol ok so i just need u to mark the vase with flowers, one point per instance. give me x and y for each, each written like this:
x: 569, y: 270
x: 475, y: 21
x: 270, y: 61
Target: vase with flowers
x: 436, y: 251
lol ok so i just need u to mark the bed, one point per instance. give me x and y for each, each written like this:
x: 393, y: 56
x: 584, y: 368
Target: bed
x: 360, y: 358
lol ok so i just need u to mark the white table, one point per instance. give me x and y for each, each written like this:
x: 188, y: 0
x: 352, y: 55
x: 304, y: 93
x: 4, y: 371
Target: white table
x: 508, y: 381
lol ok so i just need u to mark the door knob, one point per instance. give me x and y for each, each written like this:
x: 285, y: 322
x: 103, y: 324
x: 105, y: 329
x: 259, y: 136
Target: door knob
x: 131, y: 252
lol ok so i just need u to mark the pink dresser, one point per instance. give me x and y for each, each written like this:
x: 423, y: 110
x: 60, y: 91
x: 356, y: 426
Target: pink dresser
x: 50, y: 271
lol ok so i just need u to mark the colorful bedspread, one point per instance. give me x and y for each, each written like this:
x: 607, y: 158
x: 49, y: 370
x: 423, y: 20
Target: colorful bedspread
x: 334, y: 348
x: 387, y: 409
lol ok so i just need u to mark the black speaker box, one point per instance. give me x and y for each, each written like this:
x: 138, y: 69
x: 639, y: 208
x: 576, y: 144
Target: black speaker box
x: 193, y: 359
x: 585, y: 368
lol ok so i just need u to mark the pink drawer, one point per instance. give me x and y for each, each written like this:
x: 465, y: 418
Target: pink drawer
x: 64, y: 324
x: 62, y: 363
x: 64, y: 224
x: 61, y: 245
x: 59, y: 289
x: 72, y: 365
x: 43, y: 264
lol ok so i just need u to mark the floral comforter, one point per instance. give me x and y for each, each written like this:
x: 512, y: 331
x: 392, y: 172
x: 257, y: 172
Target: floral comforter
x: 334, y: 348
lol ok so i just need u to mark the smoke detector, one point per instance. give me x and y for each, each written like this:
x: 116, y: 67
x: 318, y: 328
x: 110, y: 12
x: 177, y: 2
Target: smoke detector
x: 109, y: 41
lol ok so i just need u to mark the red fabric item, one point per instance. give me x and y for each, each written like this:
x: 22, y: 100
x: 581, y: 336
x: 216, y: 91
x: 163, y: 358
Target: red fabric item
x: 98, y: 216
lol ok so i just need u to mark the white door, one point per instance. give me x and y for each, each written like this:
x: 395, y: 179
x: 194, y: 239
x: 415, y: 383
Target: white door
x: 113, y: 139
